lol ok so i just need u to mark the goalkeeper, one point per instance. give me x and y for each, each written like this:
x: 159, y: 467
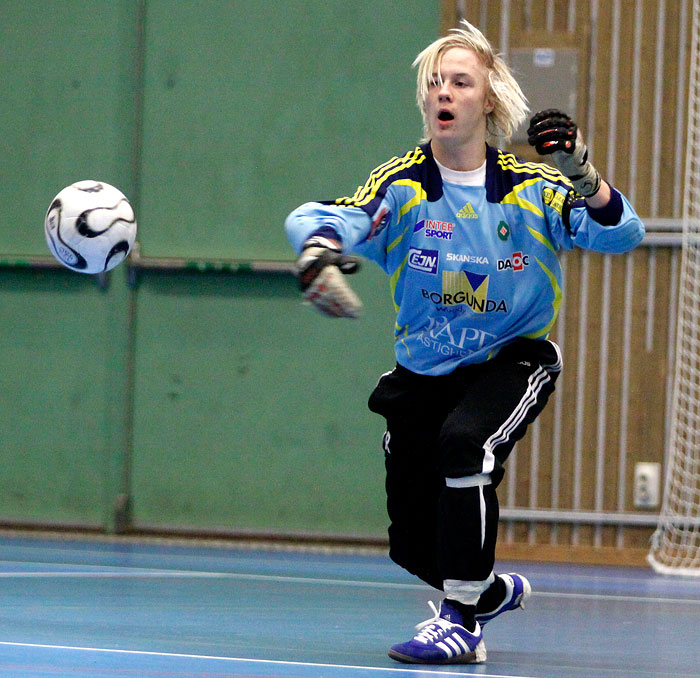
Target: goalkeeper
x: 469, y: 236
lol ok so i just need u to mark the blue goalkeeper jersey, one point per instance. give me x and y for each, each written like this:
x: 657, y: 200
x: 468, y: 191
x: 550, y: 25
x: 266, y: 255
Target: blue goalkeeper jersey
x: 471, y: 268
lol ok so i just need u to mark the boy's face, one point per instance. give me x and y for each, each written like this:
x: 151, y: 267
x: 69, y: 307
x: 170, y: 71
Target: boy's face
x: 456, y: 110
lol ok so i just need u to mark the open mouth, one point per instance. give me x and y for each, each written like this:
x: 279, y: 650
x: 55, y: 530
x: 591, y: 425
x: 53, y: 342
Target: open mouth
x: 445, y: 116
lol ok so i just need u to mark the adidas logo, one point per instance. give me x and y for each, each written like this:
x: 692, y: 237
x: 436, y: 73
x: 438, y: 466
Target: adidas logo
x: 467, y: 212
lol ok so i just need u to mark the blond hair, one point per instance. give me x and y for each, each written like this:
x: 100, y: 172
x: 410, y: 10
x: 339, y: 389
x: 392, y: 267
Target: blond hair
x: 510, y: 105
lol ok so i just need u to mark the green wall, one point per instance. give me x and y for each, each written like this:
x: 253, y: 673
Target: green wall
x: 175, y: 399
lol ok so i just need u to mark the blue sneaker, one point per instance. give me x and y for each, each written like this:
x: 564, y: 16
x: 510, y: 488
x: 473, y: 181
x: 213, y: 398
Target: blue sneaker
x: 441, y: 641
x: 518, y: 590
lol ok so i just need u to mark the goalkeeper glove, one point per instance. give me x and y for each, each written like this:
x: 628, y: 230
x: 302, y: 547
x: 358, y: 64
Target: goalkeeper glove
x: 320, y: 268
x: 554, y: 133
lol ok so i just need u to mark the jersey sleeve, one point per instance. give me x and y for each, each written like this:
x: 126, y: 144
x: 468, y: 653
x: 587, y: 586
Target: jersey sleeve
x: 589, y: 233
x: 364, y: 221
x: 573, y: 223
x: 349, y: 223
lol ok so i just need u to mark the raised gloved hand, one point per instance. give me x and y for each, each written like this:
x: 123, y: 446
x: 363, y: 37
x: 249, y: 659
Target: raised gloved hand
x: 553, y: 132
x: 321, y: 267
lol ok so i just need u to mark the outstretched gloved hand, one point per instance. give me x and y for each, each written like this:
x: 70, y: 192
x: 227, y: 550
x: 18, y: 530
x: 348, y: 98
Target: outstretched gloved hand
x: 553, y: 132
x: 321, y: 267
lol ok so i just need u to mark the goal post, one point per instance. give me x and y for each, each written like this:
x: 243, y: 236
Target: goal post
x: 675, y: 545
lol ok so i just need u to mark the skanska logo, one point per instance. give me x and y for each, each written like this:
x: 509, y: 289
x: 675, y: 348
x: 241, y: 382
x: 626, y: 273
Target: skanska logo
x: 425, y: 261
x: 467, y: 258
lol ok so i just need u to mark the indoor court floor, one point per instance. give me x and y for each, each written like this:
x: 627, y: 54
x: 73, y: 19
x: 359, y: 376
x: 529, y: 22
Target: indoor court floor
x: 89, y: 607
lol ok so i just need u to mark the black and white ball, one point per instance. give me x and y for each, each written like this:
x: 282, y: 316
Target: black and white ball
x: 90, y: 227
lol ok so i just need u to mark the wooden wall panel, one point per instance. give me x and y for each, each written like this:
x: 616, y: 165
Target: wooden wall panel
x: 616, y: 328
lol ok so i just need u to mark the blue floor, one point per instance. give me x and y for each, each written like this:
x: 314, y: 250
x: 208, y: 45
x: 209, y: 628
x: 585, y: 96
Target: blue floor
x: 79, y: 608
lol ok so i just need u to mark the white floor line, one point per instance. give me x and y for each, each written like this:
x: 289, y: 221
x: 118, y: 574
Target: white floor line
x: 610, y: 596
x: 136, y: 573
x: 278, y: 662
x: 139, y: 573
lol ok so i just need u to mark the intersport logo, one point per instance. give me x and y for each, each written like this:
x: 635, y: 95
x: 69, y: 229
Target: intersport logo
x: 442, y: 230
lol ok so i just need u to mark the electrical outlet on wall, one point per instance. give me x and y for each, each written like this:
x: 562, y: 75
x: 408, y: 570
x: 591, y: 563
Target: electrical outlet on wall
x: 647, y: 485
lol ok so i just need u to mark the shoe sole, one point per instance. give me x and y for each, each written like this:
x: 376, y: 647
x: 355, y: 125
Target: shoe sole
x: 478, y: 656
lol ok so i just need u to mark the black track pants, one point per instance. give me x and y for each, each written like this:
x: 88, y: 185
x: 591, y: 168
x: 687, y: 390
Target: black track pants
x: 456, y: 427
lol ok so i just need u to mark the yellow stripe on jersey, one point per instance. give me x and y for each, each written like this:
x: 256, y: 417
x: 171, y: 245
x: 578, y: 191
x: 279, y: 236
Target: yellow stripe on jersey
x: 365, y: 194
x: 520, y: 169
x: 376, y: 175
x: 538, y: 236
x: 397, y: 334
x: 556, y: 304
x: 394, y: 280
x: 377, y: 172
x: 399, y: 238
x: 513, y: 198
x: 373, y: 174
x: 507, y: 161
x: 419, y: 196
x: 370, y: 189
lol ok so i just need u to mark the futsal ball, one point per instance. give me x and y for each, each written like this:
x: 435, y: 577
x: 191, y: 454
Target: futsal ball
x: 90, y: 227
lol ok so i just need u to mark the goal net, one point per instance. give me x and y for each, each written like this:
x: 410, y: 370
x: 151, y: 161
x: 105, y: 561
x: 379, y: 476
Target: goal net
x: 675, y: 547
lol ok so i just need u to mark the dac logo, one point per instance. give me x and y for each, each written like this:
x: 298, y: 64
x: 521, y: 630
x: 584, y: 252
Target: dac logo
x: 517, y: 262
x: 425, y: 261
